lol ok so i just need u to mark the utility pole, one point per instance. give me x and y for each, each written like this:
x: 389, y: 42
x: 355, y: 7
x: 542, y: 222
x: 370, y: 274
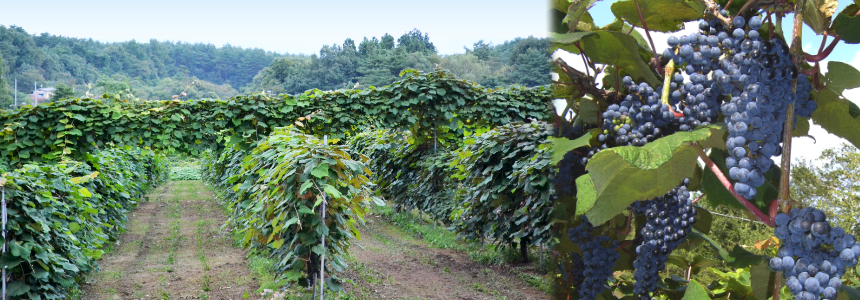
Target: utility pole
x: 16, y: 92
x: 35, y: 95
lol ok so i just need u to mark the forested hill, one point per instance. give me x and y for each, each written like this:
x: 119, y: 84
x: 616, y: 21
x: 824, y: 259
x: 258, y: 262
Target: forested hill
x: 55, y: 59
x: 378, y: 62
x: 162, y: 69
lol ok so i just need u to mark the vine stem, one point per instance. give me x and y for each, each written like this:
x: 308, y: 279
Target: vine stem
x: 648, y: 34
x: 725, y: 181
x: 823, y: 54
x: 667, y: 82
x: 627, y: 226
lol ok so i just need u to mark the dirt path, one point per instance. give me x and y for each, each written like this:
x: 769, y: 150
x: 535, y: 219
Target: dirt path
x: 173, y: 249
x: 393, y: 265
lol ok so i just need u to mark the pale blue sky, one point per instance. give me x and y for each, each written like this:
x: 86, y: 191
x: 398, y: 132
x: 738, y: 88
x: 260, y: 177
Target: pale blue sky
x: 602, y: 15
x: 282, y: 26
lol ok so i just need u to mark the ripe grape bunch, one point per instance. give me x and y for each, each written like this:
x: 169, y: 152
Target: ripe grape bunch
x: 569, y: 168
x: 632, y: 122
x: 597, y: 259
x: 756, y: 75
x: 812, y: 271
x: 670, y: 219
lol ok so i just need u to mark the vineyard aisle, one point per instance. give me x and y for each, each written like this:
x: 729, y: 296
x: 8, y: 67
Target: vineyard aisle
x: 173, y: 249
x: 392, y: 264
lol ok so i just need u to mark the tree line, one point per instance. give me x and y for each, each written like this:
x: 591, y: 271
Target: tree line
x: 165, y: 70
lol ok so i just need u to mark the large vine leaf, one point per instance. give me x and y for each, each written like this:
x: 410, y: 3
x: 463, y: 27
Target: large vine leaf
x: 659, y: 15
x: 619, y: 176
x: 837, y: 115
x: 696, y: 291
x: 818, y: 13
x: 569, y: 38
x: 575, y: 11
x: 847, y: 24
x: 762, y: 280
x: 718, y: 194
x: 560, y: 146
x: 621, y: 50
x: 841, y: 76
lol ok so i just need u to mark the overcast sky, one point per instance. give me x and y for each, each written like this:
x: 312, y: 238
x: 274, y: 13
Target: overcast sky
x: 281, y: 26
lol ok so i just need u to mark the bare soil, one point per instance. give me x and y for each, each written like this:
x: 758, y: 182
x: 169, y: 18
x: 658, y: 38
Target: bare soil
x: 173, y: 249
x: 390, y: 264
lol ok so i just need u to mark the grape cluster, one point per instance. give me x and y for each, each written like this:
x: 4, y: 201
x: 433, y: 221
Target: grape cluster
x: 632, y: 122
x: 756, y: 75
x: 813, y: 255
x: 597, y: 259
x: 669, y: 220
x: 569, y: 168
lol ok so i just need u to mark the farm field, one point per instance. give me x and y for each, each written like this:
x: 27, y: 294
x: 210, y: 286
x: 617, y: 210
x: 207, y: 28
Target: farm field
x: 175, y: 249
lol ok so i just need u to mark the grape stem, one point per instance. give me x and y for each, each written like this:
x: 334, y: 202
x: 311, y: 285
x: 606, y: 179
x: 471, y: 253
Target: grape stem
x: 667, y: 82
x: 699, y: 198
x: 626, y: 227
x: 714, y: 10
x: 823, y: 54
x: 647, y: 33
x: 728, y: 185
x: 584, y: 83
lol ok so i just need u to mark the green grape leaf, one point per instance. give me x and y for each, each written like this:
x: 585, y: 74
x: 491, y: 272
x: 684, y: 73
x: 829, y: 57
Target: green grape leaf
x: 850, y: 292
x: 569, y: 38
x: 696, y: 291
x: 585, y: 196
x: 718, y: 194
x: 847, y: 24
x: 834, y: 114
x: 761, y: 280
x: 818, y: 13
x: 560, y: 146
x: 334, y: 284
x: 320, y: 171
x: 660, y: 15
x: 741, y: 258
x: 802, y: 127
x: 703, y: 220
x: 575, y: 11
x: 17, y: 288
x: 841, y: 76
x: 621, y: 50
x: 622, y: 175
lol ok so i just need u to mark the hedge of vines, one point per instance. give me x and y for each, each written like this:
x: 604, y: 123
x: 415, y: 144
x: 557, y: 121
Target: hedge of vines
x: 494, y: 185
x: 419, y: 103
x: 61, y: 215
x: 274, y: 193
x: 508, y: 191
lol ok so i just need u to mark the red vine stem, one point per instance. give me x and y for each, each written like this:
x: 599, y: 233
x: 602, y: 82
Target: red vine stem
x: 699, y: 198
x: 647, y: 33
x: 822, y: 55
x: 725, y: 181
x: 626, y: 227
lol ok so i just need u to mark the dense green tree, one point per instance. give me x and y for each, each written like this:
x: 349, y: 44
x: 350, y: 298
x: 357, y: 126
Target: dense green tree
x: 413, y: 41
x: 5, y: 96
x: 530, y: 58
x: 62, y: 91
